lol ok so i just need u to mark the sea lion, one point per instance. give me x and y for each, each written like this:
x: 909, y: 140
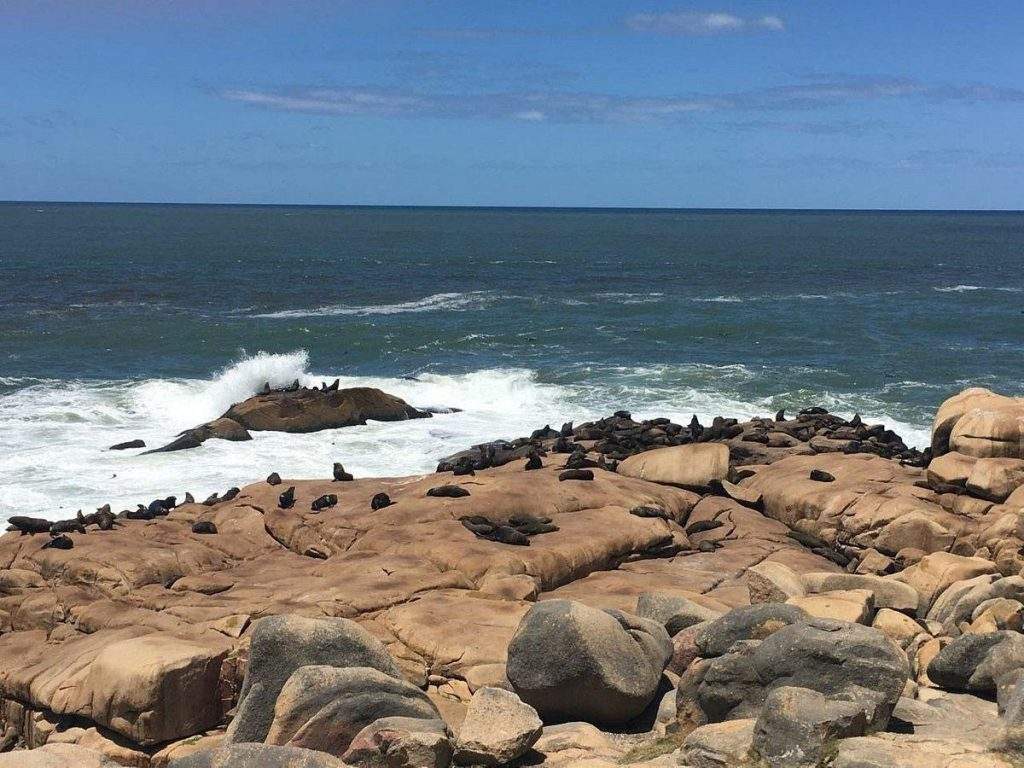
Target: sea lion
x: 856, y: 420
x: 59, y: 542
x: 29, y: 525
x: 266, y: 388
x: 708, y: 546
x: 576, y: 474
x: 230, y: 493
x: 287, y: 499
x: 204, y: 526
x: 189, y: 498
x: 477, y: 524
x: 157, y: 508
x: 780, y: 415
x: 105, y: 519
x: 84, y: 520
x: 645, y: 511
x: 703, y: 525
x: 340, y: 474
x: 273, y: 479
x: 566, y: 430
x: 623, y: 415
x: 324, y: 502
x: 448, y: 491
x: 380, y: 500
x: 504, y: 534
x: 334, y: 386
x: 293, y: 387
x: 66, y: 526
x: 464, y: 466
x: 127, y: 445
x: 212, y: 499
x: 821, y: 476
x: 142, y: 513
x: 534, y: 527
x: 696, y: 430
x: 533, y: 462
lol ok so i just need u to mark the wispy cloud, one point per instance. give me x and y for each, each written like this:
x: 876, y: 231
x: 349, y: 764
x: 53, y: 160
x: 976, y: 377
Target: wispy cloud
x: 706, y: 23
x: 569, y: 107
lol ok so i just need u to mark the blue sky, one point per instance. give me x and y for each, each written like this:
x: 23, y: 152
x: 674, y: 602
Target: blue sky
x: 761, y: 103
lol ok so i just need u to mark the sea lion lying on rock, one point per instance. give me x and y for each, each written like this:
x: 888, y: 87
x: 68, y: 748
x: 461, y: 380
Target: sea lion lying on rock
x: 29, y: 525
x: 326, y: 501
x: 204, y: 526
x: 379, y: 501
x: 273, y: 479
x: 66, y: 526
x: 448, y: 492
x: 576, y: 474
x: 59, y: 542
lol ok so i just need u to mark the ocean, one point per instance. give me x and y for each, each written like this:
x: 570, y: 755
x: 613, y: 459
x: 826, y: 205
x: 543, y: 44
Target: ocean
x: 137, y: 321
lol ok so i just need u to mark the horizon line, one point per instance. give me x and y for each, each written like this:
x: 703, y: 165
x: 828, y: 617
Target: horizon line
x: 468, y: 206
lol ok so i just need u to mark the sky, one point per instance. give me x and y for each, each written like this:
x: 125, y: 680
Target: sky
x: 648, y: 103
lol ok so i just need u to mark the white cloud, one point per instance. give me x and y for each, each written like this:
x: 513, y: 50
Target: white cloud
x: 691, y: 23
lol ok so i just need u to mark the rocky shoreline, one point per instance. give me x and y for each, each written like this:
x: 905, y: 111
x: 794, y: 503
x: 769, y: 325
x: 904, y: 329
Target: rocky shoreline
x: 796, y: 591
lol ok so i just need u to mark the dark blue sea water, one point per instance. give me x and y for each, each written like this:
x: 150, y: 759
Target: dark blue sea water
x: 121, y: 321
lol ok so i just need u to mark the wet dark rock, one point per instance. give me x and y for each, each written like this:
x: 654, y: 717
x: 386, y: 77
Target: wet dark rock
x: 126, y: 445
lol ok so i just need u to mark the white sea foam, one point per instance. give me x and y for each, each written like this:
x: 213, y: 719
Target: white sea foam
x: 54, y: 434
x: 438, y: 302
x: 969, y: 288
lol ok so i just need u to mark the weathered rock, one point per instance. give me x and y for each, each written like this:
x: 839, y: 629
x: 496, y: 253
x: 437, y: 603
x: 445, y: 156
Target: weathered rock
x: 498, y: 729
x: 674, y: 612
x: 324, y: 708
x: 950, y: 469
x: 401, y: 742
x: 897, y: 626
x: 686, y: 466
x: 258, y: 756
x: 974, y: 663
x: 282, y: 644
x: 720, y: 745
x: 995, y: 479
x: 221, y: 429
x: 838, y: 659
x: 937, y: 571
x: 771, y: 582
x: 853, y: 605
x: 56, y: 756
x: 309, y: 410
x: 991, y: 407
x: 798, y: 727
x: 888, y: 592
x: 899, y: 751
x: 752, y: 622
x: 571, y: 662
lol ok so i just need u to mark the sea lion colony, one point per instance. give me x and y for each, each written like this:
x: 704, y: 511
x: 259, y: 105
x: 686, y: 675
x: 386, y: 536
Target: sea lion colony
x: 782, y: 592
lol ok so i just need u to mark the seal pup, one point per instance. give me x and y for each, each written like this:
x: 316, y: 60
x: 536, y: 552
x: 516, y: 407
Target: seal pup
x: 273, y: 479
x: 287, y: 499
x: 29, y: 525
x: 324, y: 502
x: 340, y: 475
x: 204, y: 526
x: 448, y: 492
x: 59, y: 542
x: 576, y: 474
x: 533, y: 462
x: 380, y: 500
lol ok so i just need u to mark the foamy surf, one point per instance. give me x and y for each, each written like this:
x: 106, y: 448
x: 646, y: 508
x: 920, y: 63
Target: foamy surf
x: 438, y: 302
x: 54, y: 434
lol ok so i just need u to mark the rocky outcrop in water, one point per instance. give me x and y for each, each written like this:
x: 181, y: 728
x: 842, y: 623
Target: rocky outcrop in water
x: 298, y: 409
x: 727, y: 601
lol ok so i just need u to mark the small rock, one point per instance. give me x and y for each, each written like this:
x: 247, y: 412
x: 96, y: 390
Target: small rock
x: 498, y: 729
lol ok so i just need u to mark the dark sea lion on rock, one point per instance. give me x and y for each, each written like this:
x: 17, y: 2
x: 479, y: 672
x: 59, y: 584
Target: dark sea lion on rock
x: 533, y: 462
x: 576, y: 474
x: 544, y: 433
x: 380, y: 500
x: 463, y: 468
x: 534, y: 527
x: 623, y: 415
x: 141, y: 513
x: 105, y: 520
x: 157, y: 508
x: 324, y: 502
x: 448, y: 492
x: 708, y: 546
x: 809, y: 540
x: 189, y: 498
x: 204, y: 526
x: 66, y: 526
x: 273, y: 479
x: 579, y: 460
x: 212, y: 499
x: 230, y: 493
x: 821, y: 476
x: 780, y: 415
x: 287, y: 499
x: 567, y: 429
x: 89, y: 519
x: 703, y: 525
x: 59, y: 542
x: 504, y: 534
x: 644, y: 511
x: 477, y: 524
x: 340, y: 474
x: 29, y: 525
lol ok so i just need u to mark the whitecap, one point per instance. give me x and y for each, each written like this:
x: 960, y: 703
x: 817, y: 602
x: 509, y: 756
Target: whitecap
x: 438, y: 302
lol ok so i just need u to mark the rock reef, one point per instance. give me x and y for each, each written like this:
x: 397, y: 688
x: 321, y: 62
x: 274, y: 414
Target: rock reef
x: 780, y: 592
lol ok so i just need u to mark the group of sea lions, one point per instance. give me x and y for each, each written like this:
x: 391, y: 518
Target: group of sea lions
x: 295, y: 386
x: 517, y: 530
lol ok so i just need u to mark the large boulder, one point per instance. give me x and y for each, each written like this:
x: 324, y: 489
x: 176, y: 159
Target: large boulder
x: 995, y: 479
x: 688, y: 466
x: 798, y: 727
x: 888, y: 592
x: 310, y: 410
x: 674, y: 612
x: 220, y: 429
x: 498, y: 729
x: 748, y: 622
x: 838, y: 659
x: 573, y: 662
x: 324, y: 708
x: 934, y: 573
x: 257, y: 756
x: 957, y: 407
x: 989, y: 425
x: 975, y: 663
x: 719, y: 745
x: 282, y: 644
